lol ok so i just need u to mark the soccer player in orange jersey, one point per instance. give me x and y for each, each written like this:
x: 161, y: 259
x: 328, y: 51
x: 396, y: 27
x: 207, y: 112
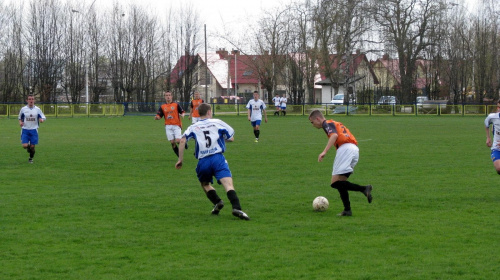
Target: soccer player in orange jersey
x: 172, y: 112
x: 194, y: 115
x: 346, y: 158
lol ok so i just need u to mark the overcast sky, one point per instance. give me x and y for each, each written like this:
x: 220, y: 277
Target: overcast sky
x: 218, y: 15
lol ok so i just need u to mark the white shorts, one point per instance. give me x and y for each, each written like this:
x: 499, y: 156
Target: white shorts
x: 195, y: 119
x: 346, y: 158
x: 173, y: 132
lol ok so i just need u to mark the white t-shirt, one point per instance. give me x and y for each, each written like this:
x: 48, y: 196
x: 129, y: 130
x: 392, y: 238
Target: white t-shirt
x: 256, y: 108
x: 30, y: 117
x: 276, y: 101
x: 283, y: 101
x: 494, y: 118
x: 210, y: 136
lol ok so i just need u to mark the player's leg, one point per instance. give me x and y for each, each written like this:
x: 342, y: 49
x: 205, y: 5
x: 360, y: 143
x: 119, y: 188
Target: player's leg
x: 256, y: 130
x: 337, y: 183
x: 224, y: 177
x: 346, y: 158
x: 171, y: 137
x: 495, y: 157
x: 212, y: 195
x: 33, y: 140
x: 227, y: 182
x: 25, y: 142
x: 205, y: 174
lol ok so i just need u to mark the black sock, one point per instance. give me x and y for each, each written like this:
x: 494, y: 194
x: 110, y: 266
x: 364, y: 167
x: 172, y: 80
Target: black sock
x: 233, y: 198
x: 32, y: 152
x: 176, y: 150
x: 344, y: 194
x: 214, y: 198
x: 256, y: 133
x: 284, y: 113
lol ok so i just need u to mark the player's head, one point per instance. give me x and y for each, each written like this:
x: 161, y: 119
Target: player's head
x: 30, y: 99
x: 256, y: 95
x: 168, y: 96
x: 316, y: 118
x: 205, y: 110
x: 196, y: 95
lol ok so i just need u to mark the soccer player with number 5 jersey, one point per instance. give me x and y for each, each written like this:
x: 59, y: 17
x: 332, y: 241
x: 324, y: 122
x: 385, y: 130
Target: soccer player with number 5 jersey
x: 210, y: 137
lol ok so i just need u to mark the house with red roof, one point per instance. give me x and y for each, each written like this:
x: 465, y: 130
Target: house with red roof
x: 387, y: 71
x: 227, y: 71
x: 346, y: 75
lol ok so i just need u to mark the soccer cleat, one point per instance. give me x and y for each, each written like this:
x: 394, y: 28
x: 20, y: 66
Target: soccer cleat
x: 186, y: 145
x: 240, y: 214
x: 256, y: 140
x: 345, y: 213
x: 368, y: 193
x: 217, y: 207
x: 30, y: 160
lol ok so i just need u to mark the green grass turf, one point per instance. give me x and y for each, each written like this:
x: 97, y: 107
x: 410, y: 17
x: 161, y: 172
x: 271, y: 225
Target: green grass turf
x: 104, y: 201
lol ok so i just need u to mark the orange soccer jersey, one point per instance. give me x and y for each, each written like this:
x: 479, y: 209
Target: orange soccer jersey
x: 171, y: 112
x: 194, y: 107
x: 344, y: 135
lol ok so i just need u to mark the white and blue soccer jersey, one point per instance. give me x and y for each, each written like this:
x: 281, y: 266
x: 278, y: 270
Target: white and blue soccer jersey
x: 494, y: 119
x: 31, y: 117
x: 283, y: 101
x: 256, y: 108
x: 210, y: 136
x: 277, y: 101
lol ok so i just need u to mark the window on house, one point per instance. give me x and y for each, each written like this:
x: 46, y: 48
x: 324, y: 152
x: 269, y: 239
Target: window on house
x: 248, y: 73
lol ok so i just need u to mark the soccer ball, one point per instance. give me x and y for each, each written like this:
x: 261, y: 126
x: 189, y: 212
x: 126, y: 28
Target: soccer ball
x: 320, y: 204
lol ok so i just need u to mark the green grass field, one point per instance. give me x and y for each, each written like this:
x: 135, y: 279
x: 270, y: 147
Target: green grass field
x: 104, y: 201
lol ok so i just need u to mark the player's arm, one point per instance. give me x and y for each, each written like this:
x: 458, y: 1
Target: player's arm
x: 181, y: 146
x: 488, y: 137
x: 41, y: 116
x: 265, y: 114
x: 21, y: 119
x: 248, y: 113
x: 191, y: 111
x: 159, y: 114
x: 180, y: 110
x: 331, y: 141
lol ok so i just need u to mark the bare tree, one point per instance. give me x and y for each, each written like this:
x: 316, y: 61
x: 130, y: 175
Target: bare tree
x: 270, y: 42
x: 186, y: 38
x: 407, y: 26
x: 46, y: 61
x: 12, y: 51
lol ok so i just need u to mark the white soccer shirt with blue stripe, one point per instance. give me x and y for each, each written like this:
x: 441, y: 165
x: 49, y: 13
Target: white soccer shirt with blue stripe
x: 30, y: 117
x: 210, y: 136
x: 256, y: 108
x: 494, y: 119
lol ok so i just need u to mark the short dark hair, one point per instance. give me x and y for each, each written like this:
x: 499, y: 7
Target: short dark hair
x: 316, y: 113
x: 203, y: 109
